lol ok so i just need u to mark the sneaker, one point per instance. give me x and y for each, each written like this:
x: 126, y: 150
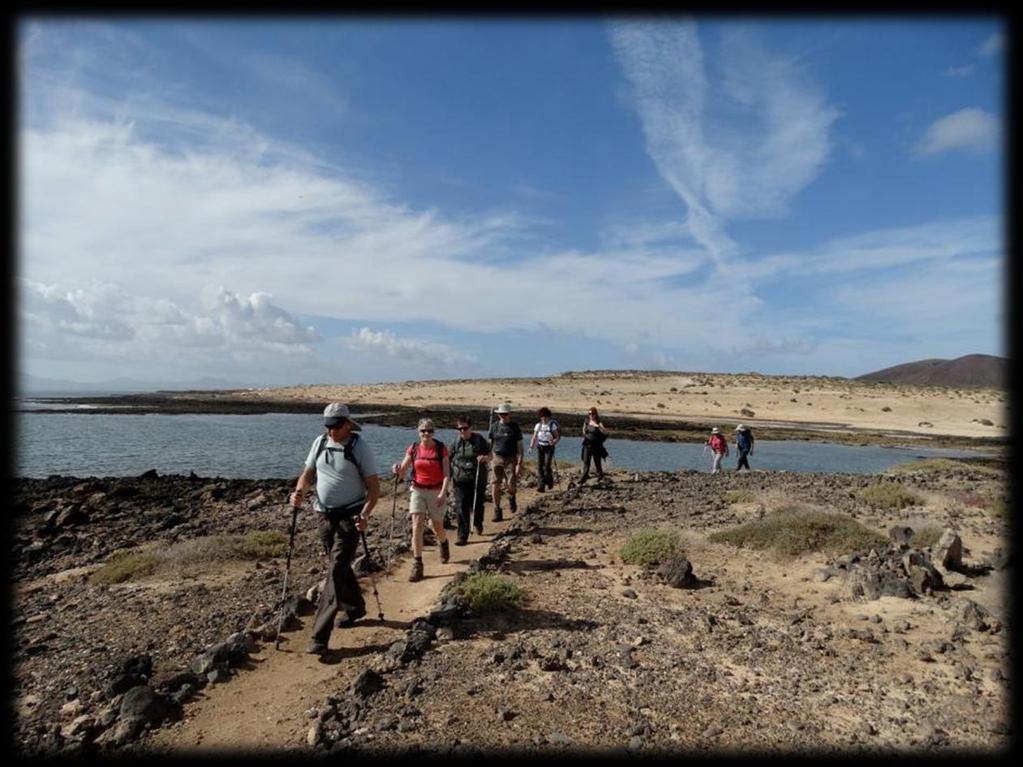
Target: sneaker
x: 445, y: 551
x: 512, y: 504
x: 417, y: 571
x: 497, y: 515
x: 317, y: 648
x: 346, y: 618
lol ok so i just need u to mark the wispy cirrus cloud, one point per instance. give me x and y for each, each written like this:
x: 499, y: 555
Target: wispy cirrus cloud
x: 992, y: 45
x: 968, y: 129
x: 964, y: 71
x: 736, y: 140
x: 408, y: 349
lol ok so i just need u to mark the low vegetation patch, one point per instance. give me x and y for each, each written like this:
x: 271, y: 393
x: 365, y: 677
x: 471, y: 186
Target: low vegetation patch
x: 255, y: 544
x: 486, y: 593
x: 800, y: 530
x: 739, y: 496
x: 889, y: 495
x: 926, y: 536
x: 650, y: 547
x: 940, y: 465
x: 125, y: 565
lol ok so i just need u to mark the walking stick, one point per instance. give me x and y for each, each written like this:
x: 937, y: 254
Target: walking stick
x: 390, y: 533
x: 287, y: 570
x: 372, y: 580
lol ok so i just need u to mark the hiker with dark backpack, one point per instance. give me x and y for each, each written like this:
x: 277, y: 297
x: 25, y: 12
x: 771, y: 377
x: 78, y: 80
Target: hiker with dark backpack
x: 342, y: 471
x: 469, y: 452
x: 506, y: 459
x: 744, y: 445
x: 718, y: 447
x: 595, y: 433
x: 546, y: 434
x: 431, y: 471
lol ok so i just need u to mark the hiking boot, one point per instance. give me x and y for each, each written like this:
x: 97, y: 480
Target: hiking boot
x: 346, y: 618
x: 445, y: 551
x: 447, y: 524
x: 461, y: 542
x: 497, y: 515
x: 417, y: 571
x: 512, y: 504
x: 317, y: 648
x: 479, y: 529
x: 541, y: 489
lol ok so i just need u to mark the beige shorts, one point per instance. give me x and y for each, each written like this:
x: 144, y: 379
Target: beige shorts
x: 425, y: 502
x: 504, y: 469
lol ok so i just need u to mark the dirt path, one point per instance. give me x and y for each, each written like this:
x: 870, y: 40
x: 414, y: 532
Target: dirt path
x: 263, y: 707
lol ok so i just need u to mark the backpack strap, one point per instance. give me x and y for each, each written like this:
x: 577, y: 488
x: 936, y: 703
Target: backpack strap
x: 348, y: 452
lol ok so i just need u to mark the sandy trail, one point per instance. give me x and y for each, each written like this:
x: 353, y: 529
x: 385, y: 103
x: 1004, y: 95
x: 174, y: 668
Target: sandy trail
x: 263, y: 707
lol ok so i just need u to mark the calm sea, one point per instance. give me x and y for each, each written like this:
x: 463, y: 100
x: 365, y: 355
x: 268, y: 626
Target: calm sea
x: 275, y: 445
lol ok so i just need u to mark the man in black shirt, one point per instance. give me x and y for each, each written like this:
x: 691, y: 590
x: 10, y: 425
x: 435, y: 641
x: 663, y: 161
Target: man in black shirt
x: 506, y: 438
x: 469, y: 452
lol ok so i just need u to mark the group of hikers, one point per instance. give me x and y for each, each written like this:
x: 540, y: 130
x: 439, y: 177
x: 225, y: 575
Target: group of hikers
x: 342, y: 473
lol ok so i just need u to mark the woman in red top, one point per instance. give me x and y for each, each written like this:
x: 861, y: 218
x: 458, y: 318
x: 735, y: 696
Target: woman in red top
x: 428, y: 493
x: 718, y: 446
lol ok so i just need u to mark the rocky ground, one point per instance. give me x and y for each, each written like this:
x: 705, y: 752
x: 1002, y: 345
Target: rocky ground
x: 752, y: 651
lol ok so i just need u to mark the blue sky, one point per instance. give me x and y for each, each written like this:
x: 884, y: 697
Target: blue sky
x: 274, y: 201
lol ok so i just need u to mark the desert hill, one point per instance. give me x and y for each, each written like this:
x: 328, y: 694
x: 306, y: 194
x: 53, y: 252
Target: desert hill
x: 970, y: 370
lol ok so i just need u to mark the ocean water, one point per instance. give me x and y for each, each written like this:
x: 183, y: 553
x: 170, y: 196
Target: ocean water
x: 275, y: 445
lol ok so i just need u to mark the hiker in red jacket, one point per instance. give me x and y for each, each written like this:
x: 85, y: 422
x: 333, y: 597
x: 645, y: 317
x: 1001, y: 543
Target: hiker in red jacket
x: 718, y: 446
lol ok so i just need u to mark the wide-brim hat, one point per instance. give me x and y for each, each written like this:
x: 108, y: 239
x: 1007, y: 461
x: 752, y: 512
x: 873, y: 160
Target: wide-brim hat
x: 740, y: 427
x: 715, y: 430
x: 502, y: 408
x: 337, y: 413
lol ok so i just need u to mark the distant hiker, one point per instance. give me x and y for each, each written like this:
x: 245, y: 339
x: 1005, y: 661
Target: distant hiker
x: 343, y: 472
x: 546, y: 434
x: 594, y: 435
x: 744, y: 445
x: 469, y: 454
x: 506, y: 459
x: 718, y: 446
x: 428, y: 493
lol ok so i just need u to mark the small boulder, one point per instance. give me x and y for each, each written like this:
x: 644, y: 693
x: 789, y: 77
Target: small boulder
x: 677, y: 572
x: 948, y: 551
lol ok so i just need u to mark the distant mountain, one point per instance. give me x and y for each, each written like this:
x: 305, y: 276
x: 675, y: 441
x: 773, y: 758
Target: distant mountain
x: 971, y: 370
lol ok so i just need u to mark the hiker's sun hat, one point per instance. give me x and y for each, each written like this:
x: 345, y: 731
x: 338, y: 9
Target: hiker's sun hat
x: 336, y: 413
x: 715, y: 430
x: 740, y: 427
x: 502, y: 408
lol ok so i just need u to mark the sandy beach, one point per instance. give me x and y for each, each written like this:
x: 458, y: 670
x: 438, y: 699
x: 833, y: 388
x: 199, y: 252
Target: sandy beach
x: 815, y: 403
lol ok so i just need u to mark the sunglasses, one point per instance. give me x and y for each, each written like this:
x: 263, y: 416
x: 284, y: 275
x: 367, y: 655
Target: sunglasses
x: 426, y: 431
x: 464, y: 428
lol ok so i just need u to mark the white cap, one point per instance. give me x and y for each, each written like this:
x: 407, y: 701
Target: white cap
x: 715, y: 430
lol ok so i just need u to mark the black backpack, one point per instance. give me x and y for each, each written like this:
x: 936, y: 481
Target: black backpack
x: 348, y: 452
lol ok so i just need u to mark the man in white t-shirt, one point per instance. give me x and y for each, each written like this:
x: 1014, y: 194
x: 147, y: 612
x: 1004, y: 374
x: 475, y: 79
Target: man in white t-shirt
x: 546, y: 434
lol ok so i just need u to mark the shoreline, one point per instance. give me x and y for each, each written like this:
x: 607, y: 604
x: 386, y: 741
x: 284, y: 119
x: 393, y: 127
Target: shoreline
x: 646, y: 428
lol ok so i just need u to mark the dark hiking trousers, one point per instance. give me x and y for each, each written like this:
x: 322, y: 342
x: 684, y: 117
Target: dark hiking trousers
x: 463, y: 505
x: 544, y: 465
x: 340, y: 538
x: 594, y: 452
x: 742, y: 460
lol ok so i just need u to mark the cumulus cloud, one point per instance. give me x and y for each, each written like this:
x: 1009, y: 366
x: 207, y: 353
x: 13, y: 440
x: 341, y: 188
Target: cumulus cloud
x: 409, y: 349
x: 968, y: 129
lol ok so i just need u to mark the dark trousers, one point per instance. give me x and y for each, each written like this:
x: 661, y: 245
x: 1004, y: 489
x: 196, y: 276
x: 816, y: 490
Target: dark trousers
x: 595, y: 452
x: 340, y: 539
x: 545, y: 465
x: 742, y: 460
x: 463, y: 504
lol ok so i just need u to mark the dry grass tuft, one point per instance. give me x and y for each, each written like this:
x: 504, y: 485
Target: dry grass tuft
x: 650, y: 547
x: 889, y: 495
x: 801, y: 530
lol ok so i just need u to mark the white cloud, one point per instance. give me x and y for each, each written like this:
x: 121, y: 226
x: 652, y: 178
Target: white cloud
x: 738, y: 139
x: 963, y: 71
x: 993, y: 45
x: 408, y: 349
x: 968, y: 129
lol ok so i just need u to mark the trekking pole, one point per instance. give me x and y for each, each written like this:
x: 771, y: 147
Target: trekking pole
x: 287, y: 571
x: 372, y: 580
x: 390, y: 533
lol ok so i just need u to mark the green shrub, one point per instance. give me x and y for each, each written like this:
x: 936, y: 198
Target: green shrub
x: 798, y: 530
x: 486, y: 593
x: 889, y: 495
x: 926, y: 536
x: 739, y: 496
x: 125, y: 565
x: 649, y: 547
